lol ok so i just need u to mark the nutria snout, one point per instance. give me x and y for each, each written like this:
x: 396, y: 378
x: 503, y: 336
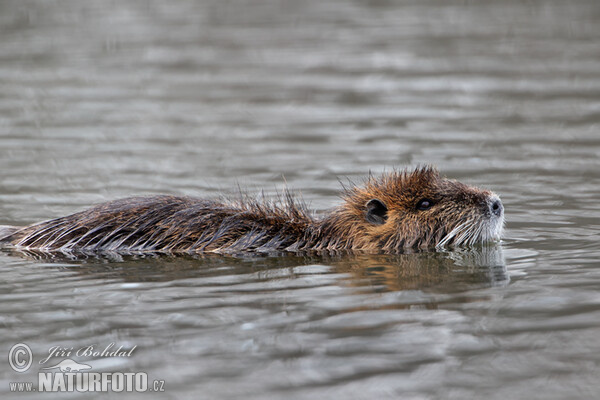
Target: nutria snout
x: 399, y: 210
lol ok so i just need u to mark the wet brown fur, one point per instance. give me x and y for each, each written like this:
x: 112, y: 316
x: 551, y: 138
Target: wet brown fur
x: 186, y: 224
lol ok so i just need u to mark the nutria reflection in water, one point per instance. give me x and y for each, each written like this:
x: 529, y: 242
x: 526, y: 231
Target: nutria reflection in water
x: 453, y: 271
x: 397, y: 211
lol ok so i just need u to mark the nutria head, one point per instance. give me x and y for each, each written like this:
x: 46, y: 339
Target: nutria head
x: 419, y: 209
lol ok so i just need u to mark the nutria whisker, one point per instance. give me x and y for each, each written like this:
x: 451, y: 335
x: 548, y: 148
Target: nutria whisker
x: 399, y: 210
x: 450, y: 235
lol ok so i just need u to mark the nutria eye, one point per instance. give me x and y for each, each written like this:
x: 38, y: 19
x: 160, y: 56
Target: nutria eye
x: 376, y: 212
x: 424, y: 204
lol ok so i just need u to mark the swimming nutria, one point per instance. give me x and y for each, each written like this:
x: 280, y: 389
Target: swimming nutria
x: 418, y: 209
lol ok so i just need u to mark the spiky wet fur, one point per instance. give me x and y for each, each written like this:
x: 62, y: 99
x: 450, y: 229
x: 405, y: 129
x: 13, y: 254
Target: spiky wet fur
x: 185, y: 224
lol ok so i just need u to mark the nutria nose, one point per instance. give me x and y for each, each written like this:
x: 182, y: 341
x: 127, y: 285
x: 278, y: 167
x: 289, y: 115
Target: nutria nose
x: 496, y: 207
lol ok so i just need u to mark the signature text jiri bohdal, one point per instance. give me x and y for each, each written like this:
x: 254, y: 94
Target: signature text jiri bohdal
x: 88, y: 351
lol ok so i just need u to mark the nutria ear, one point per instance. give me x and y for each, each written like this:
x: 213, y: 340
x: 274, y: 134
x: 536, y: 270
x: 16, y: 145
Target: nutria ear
x: 376, y: 212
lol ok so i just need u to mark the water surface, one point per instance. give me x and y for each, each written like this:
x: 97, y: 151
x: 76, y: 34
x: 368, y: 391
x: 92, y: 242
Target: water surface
x: 104, y: 100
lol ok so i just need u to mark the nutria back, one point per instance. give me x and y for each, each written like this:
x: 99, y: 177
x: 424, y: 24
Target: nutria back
x: 416, y: 209
x: 171, y: 224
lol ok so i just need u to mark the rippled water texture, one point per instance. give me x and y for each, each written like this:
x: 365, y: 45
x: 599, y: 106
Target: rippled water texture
x: 100, y: 100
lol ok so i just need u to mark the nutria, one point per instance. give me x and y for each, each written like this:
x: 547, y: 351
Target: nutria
x: 401, y: 209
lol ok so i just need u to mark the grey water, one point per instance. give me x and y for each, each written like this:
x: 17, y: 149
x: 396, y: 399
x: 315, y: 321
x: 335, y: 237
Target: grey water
x: 101, y: 100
